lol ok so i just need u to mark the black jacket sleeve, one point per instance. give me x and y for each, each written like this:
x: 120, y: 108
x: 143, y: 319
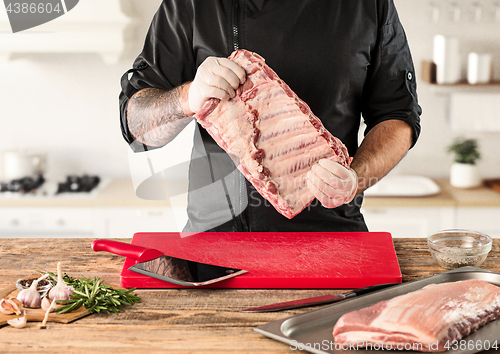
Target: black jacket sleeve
x: 391, y: 89
x: 166, y: 61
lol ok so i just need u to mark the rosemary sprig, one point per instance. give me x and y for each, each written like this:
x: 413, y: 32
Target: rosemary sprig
x: 94, y: 296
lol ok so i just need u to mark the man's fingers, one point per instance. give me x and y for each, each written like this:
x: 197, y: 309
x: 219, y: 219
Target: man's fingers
x: 331, y: 183
x: 197, y: 96
x: 215, y: 92
x: 325, y: 200
x: 215, y: 78
x: 332, y: 178
x: 213, y: 84
x: 335, y: 168
x: 224, y: 73
x: 235, y: 68
x: 326, y: 188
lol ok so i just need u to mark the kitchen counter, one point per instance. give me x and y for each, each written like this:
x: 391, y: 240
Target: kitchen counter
x: 114, y: 210
x: 120, y: 193
x: 168, y: 320
x: 447, y: 197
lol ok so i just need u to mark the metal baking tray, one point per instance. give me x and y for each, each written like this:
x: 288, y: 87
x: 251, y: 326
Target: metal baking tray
x: 312, y: 331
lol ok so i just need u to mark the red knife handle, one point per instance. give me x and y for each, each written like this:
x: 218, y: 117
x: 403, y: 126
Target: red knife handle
x: 142, y: 254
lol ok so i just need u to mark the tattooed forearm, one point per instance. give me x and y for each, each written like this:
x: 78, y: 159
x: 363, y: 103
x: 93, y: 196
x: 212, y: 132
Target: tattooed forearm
x: 155, y: 116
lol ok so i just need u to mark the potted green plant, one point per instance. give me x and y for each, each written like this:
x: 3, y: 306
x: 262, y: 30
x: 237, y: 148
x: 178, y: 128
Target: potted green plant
x: 464, y: 172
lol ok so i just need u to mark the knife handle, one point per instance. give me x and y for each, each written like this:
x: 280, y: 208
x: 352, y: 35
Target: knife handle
x: 141, y: 254
x: 296, y: 304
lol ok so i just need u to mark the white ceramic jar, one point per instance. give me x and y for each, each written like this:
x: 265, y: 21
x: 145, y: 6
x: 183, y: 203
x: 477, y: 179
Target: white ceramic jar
x: 479, y: 68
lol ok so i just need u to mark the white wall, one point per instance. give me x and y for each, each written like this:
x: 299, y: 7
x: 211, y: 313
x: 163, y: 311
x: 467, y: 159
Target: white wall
x: 67, y: 105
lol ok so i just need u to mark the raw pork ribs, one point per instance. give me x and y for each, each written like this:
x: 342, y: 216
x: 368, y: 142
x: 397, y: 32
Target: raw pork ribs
x: 271, y: 135
x: 429, y: 319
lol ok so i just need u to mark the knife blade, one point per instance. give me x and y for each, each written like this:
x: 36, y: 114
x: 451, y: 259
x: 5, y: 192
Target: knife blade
x: 156, y: 264
x: 318, y: 300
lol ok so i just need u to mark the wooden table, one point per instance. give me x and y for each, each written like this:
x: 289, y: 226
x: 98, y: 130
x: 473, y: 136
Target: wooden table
x: 166, y: 321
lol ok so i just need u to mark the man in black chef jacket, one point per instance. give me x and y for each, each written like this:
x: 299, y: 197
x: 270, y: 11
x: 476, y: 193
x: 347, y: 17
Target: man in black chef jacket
x: 346, y: 59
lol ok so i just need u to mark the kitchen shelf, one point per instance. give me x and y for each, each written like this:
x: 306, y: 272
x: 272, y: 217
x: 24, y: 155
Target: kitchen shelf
x: 464, y: 87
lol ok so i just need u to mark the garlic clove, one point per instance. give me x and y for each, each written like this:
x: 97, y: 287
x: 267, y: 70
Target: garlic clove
x: 14, y: 300
x: 6, y: 308
x: 16, y: 304
x: 19, y: 322
x: 51, y: 308
x: 46, y: 304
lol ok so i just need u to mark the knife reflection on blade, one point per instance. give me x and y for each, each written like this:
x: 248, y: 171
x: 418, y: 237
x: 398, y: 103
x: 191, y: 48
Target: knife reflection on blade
x: 318, y: 300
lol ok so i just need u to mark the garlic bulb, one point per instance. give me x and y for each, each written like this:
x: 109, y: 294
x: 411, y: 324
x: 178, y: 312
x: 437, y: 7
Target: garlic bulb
x: 31, y: 297
x: 19, y: 322
x: 61, y: 291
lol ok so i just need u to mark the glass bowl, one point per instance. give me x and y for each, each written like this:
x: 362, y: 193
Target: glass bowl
x: 459, y: 248
x: 22, y: 284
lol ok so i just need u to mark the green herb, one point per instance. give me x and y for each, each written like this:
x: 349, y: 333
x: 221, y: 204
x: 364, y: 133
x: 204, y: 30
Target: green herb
x: 465, y: 150
x: 94, y: 296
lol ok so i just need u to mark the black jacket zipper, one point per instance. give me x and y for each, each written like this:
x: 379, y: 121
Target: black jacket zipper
x: 236, y: 31
x: 242, y: 182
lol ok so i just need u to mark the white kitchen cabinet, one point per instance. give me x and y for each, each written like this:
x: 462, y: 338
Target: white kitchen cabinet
x: 485, y: 220
x: 97, y: 222
x: 124, y: 222
x: 409, y: 221
x: 48, y: 222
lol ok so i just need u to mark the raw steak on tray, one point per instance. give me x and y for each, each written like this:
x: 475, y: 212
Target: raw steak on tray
x: 271, y: 134
x: 429, y: 319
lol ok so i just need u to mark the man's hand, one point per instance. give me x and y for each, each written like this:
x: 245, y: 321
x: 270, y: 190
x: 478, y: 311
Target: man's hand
x: 215, y: 77
x: 331, y: 183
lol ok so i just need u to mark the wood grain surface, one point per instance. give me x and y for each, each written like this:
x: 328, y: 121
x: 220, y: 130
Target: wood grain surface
x: 166, y: 320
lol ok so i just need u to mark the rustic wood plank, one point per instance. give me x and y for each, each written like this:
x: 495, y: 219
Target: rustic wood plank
x: 6, y: 291
x: 167, y: 320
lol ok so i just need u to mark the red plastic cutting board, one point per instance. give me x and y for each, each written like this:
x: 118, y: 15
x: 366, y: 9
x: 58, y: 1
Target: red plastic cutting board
x: 313, y: 260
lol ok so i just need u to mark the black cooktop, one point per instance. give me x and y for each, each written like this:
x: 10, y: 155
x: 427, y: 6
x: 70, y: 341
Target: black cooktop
x: 23, y: 185
x: 73, y: 184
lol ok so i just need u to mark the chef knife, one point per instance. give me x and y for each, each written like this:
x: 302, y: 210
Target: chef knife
x: 154, y: 263
x: 318, y: 300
